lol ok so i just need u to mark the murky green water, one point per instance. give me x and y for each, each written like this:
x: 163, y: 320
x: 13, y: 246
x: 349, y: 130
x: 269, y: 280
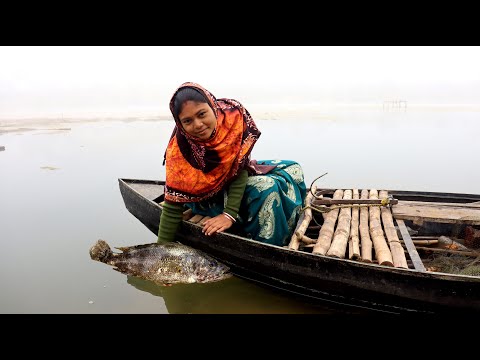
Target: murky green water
x: 59, y: 194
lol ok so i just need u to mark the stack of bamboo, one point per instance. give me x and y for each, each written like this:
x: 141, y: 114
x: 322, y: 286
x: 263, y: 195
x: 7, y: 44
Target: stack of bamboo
x: 367, y: 231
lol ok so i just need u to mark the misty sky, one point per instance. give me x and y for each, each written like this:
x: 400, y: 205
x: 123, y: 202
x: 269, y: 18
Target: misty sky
x: 70, y: 81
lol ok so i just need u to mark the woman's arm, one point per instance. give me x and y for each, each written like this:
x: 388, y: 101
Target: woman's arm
x: 169, y: 220
x: 235, y: 194
x: 224, y: 221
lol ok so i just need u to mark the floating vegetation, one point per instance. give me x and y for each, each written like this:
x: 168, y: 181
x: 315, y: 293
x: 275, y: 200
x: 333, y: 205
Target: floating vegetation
x: 49, y: 168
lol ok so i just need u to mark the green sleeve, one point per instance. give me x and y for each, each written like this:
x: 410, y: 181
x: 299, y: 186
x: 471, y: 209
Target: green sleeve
x: 170, y: 218
x: 235, y: 194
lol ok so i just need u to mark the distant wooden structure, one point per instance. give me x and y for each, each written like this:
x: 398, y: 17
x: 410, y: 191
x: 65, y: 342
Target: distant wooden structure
x: 395, y: 105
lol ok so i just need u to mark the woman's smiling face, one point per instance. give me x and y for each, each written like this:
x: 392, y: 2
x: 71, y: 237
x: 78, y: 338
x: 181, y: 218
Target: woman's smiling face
x: 198, y: 119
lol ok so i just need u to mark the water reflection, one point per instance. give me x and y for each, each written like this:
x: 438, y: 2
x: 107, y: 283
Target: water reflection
x: 230, y: 296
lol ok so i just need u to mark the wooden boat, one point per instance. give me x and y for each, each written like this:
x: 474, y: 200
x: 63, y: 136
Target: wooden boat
x: 353, y: 281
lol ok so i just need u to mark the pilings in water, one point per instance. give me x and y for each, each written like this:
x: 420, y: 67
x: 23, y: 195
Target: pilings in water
x: 395, y: 105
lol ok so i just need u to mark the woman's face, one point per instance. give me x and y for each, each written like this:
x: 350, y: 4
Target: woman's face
x: 198, y: 119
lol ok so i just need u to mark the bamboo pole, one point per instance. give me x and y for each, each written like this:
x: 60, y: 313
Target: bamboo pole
x: 424, y: 237
x: 354, y: 241
x: 342, y: 232
x: 308, y: 213
x: 366, y: 242
x: 424, y: 242
x: 383, y: 254
x: 308, y: 240
x: 326, y: 232
x: 448, y: 251
x: 398, y: 256
x: 303, y: 221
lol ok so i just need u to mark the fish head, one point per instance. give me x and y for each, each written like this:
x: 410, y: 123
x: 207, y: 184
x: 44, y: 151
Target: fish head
x: 208, y: 269
x: 100, y: 251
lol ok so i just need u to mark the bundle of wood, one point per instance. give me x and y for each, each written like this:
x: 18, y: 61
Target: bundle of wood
x: 355, y: 229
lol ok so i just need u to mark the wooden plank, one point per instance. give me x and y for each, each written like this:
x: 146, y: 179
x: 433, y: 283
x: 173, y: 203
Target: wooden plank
x: 196, y: 218
x: 412, y: 251
x: 475, y: 254
x: 438, y: 212
x: 149, y: 191
x: 187, y: 214
x: 452, y: 205
x: 352, y: 201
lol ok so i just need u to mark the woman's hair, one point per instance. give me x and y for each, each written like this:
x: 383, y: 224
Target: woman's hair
x: 186, y: 94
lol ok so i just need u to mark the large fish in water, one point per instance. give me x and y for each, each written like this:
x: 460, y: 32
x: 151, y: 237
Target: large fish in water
x: 164, y: 264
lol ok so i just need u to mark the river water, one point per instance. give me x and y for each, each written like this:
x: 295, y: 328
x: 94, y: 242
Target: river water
x: 59, y: 194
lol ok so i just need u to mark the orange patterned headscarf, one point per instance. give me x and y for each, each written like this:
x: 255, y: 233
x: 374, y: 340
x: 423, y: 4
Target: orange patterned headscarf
x: 197, y: 170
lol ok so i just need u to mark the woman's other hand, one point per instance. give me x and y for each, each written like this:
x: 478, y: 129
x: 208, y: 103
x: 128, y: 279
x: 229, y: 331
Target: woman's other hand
x: 217, y: 224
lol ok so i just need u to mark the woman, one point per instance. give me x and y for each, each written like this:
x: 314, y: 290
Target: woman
x: 208, y: 169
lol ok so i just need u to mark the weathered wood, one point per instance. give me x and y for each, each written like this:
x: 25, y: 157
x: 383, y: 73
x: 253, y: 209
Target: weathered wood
x: 352, y: 201
x: 366, y: 242
x: 451, y: 244
x: 326, y: 232
x: 425, y: 242
x: 423, y: 237
x: 187, y: 214
x: 342, y: 232
x: 196, y: 218
x: 456, y: 252
x: 419, y: 211
x: 475, y: 206
x: 303, y: 226
x: 396, y: 249
x: 324, y: 278
x: 412, y: 251
x: 308, y: 245
x: 308, y: 240
x: 383, y: 254
x: 295, y: 240
x: 303, y: 221
x: 150, y: 191
x: 354, y: 241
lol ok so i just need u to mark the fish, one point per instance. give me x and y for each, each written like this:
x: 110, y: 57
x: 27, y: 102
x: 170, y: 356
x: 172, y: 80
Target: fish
x: 162, y: 263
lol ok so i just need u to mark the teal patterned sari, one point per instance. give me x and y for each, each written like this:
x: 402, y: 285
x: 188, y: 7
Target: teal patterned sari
x: 270, y: 205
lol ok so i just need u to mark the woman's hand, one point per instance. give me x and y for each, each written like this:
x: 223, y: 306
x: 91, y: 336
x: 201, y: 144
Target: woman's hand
x: 217, y: 224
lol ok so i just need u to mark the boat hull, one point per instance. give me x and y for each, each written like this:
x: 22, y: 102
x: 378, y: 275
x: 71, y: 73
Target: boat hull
x: 327, y: 279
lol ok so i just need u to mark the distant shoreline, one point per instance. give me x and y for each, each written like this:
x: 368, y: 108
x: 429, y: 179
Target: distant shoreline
x: 259, y: 112
x: 56, y: 124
